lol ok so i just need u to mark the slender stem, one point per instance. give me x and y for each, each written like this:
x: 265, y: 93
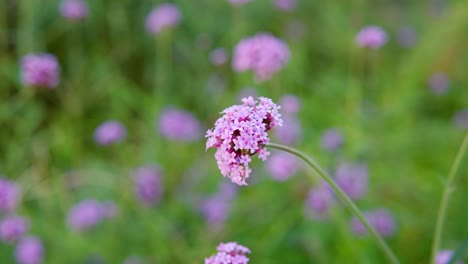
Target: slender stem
x: 445, y: 197
x: 352, y: 207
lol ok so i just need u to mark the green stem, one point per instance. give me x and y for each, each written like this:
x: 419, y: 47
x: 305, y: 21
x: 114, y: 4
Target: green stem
x: 445, y: 197
x: 352, y: 207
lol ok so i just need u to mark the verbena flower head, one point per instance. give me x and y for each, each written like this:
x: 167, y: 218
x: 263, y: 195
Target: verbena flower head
x: 179, y: 125
x: 147, y: 180
x: 74, y: 9
x: 89, y: 213
x: 381, y: 219
x: 290, y: 104
x: 290, y: 132
x: 229, y: 253
x: 371, y: 37
x: 110, y: 132
x: 162, y: 17
x: 285, y: 5
x: 241, y: 133
x: 263, y: 54
x: 29, y: 250
x: 40, y: 70
x: 352, y: 179
x: 444, y: 256
x: 239, y: 2
x: 461, y: 119
x: 439, y: 83
x: 282, y: 166
x: 332, y: 139
x: 9, y: 195
x: 319, y: 201
x: 12, y: 228
x: 219, y: 56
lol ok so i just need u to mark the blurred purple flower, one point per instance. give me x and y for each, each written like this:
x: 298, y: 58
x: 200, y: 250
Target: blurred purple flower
x: 40, y: 70
x: 281, y: 166
x: 162, y: 17
x: 88, y: 213
x: 12, y: 228
x: 332, y: 139
x: 10, y: 195
x: 263, y: 53
x: 461, y: 118
x: 285, y: 5
x: 110, y: 132
x: 439, y: 83
x: 290, y: 132
x: 147, y: 184
x: 239, y: 2
x: 74, y: 9
x: 371, y: 37
x: 219, y: 56
x: 290, y: 104
x: 352, y: 179
x: 319, y: 201
x: 407, y: 37
x: 215, y: 210
x: 381, y: 219
x: 29, y: 250
x: 229, y: 253
x: 179, y: 125
x: 444, y: 256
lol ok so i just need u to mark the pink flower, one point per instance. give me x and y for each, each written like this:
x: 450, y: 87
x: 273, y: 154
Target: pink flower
x: 219, y: 56
x: 29, y: 251
x: 162, y: 17
x: 281, y: 166
x: 240, y: 134
x: 229, y: 253
x: 74, y: 9
x: 147, y: 184
x: 238, y: 2
x: 12, y: 228
x: 285, y: 5
x: 40, y: 70
x: 263, y: 53
x: 444, y: 256
x: 10, y: 195
x: 110, y: 132
x: 371, y: 37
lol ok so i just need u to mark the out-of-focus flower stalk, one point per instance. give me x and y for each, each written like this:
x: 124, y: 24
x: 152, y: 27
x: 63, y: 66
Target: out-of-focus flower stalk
x: 342, y: 195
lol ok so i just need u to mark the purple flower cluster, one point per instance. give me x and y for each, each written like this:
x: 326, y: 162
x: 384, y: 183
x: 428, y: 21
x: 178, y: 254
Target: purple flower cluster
x: 371, y: 37
x: 241, y: 133
x: 282, y: 166
x: 332, y: 139
x: 147, y: 184
x: 319, y: 201
x: 74, y: 9
x: 381, y: 219
x: 439, y: 83
x: 12, y: 228
x: 263, y: 53
x: 352, y: 179
x: 29, y: 251
x: 291, y: 131
x: 10, y: 195
x: 216, y: 208
x: 40, y: 70
x: 110, y: 132
x: 229, y: 253
x: 179, y: 125
x: 162, y: 17
x: 444, y: 256
x: 88, y: 213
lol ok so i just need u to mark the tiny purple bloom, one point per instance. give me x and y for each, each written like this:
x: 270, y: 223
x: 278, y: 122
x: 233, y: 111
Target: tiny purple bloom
x: 219, y: 56
x: 263, y: 53
x: 74, y: 9
x: 352, y: 179
x: 461, y: 118
x: 29, y: 251
x: 285, y: 5
x: 281, y: 166
x: 40, y: 70
x: 290, y: 104
x: 179, y: 125
x: 110, y: 132
x: 229, y: 253
x: 243, y: 131
x: 88, y: 213
x: 319, y: 201
x: 162, y: 17
x: 290, y: 132
x: 147, y: 180
x: 439, y: 83
x: 444, y: 256
x: 371, y: 37
x: 407, y: 37
x: 12, y: 228
x: 332, y: 139
x: 381, y: 219
x: 10, y: 195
